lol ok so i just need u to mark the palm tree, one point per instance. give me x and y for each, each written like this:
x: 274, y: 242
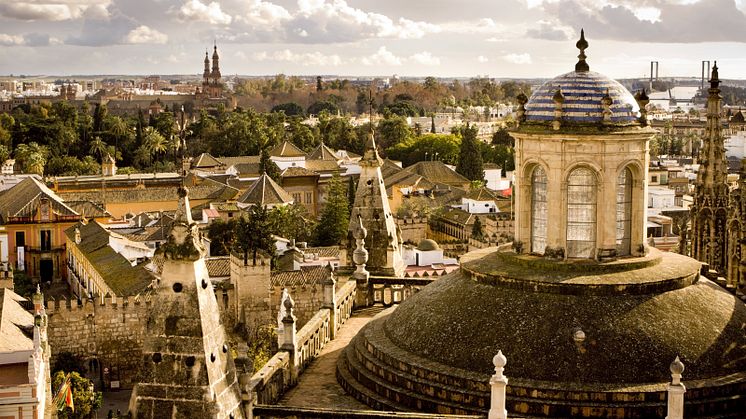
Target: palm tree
x: 118, y: 129
x: 154, y: 142
x: 97, y: 147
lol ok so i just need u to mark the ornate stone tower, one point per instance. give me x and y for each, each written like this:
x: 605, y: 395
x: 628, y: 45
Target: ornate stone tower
x: 215, y: 74
x: 372, y: 206
x: 736, y: 263
x: 581, y: 167
x: 710, y: 209
x: 188, y: 370
x: 206, y: 73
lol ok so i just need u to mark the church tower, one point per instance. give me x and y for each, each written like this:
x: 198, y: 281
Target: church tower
x: 710, y: 209
x: 215, y: 74
x: 206, y: 73
x: 372, y: 206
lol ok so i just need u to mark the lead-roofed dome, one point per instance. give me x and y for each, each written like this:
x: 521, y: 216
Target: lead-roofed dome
x: 583, y: 93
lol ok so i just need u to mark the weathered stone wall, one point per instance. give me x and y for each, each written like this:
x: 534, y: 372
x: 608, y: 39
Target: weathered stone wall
x: 308, y: 301
x: 109, y: 331
x: 413, y: 230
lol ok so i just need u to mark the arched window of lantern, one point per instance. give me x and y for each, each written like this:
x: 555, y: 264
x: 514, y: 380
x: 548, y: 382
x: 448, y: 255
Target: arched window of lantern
x: 624, y: 212
x: 581, y: 213
x: 538, y: 210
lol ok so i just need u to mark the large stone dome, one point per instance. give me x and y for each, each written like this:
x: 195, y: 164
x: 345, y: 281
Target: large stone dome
x: 582, y: 339
x: 583, y: 93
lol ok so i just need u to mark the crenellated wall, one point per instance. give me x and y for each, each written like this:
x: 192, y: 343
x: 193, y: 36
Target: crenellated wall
x: 108, y: 330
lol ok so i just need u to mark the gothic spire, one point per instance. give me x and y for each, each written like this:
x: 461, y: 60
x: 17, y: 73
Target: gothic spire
x: 713, y: 170
x: 582, y: 44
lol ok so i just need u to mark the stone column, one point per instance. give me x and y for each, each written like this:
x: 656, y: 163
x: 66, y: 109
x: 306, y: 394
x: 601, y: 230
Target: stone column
x: 360, y: 258
x: 329, y: 286
x: 289, y: 339
x: 676, y: 391
x: 498, y: 382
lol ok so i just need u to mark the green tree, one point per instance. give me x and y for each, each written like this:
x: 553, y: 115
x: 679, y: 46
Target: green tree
x: 427, y: 147
x: 85, y: 400
x: 266, y: 165
x: 470, y: 157
x: 154, y: 143
x: 33, y: 157
x: 392, y: 131
x: 290, y: 109
x: 4, y: 153
x: 292, y: 222
x: 335, y: 217
x: 253, y: 233
x: 477, y: 230
x: 97, y: 146
x: 222, y: 235
x: 324, y: 105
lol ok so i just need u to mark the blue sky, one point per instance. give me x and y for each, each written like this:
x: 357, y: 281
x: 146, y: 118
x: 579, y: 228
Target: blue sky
x: 499, y: 38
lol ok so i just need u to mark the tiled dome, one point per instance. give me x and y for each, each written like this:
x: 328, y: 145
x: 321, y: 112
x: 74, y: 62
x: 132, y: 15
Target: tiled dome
x: 583, y: 96
x: 583, y: 92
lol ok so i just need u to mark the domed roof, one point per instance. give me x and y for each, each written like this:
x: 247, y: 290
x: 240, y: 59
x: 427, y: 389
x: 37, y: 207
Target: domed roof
x: 599, y: 336
x: 583, y: 92
x: 427, y: 244
x: 583, y: 96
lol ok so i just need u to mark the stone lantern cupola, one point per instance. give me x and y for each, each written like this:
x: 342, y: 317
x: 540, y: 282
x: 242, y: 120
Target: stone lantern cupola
x: 581, y: 159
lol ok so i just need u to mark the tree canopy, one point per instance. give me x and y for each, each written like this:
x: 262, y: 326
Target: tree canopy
x: 335, y: 217
x: 470, y: 156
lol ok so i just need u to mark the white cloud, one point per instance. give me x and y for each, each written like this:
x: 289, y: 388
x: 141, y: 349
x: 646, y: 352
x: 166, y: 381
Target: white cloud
x: 485, y: 26
x: 524, y: 58
x: 382, y: 57
x: 145, y: 35
x: 651, y: 14
x: 482, y: 59
x: 264, y: 14
x: 195, y: 10
x: 425, y: 58
x: 50, y: 10
x: 336, y: 21
x: 305, y: 59
x: 11, y: 40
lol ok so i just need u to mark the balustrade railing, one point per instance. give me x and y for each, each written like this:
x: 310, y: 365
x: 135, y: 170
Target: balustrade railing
x: 390, y: 291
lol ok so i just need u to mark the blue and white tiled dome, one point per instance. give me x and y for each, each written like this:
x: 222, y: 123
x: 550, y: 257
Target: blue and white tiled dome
x: 582, y: 95
x: 583, y: 92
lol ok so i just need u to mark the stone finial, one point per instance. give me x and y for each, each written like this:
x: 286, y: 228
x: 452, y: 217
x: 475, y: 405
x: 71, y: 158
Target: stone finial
x: 676, y: 390
x: 184, y: 241
x: 498, y: 382
x: 282, y: 312
x: 499, y: 361
x: 578, y: 336
x: 676, y: 367
x: 521, y: 112
x: 183, y: 210
x: 642, y: 101
x: 606, y: 102
x: 582, y: 45
x: 360, y: 254
x: 559, y: 100
x: 77, y: 235
x: 714, y: 76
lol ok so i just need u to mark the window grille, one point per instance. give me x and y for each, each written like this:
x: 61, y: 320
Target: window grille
x: 581, y: 213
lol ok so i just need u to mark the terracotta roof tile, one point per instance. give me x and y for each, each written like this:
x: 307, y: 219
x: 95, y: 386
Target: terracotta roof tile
x: 306, y: 276
x: 286, y: 149
x: 265, y: 191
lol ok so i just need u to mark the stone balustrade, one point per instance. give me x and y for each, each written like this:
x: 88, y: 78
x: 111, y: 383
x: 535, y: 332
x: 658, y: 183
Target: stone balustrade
x: 390, y: 291
x: 281, y: 372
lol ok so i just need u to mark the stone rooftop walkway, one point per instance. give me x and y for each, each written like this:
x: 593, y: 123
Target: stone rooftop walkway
x: 317, y: 386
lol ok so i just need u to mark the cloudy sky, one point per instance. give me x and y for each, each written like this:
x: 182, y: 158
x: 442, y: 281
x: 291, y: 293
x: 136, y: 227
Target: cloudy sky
x: 499, y: 38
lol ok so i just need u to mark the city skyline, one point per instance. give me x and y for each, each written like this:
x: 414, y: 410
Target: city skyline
x: 511, y: 38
